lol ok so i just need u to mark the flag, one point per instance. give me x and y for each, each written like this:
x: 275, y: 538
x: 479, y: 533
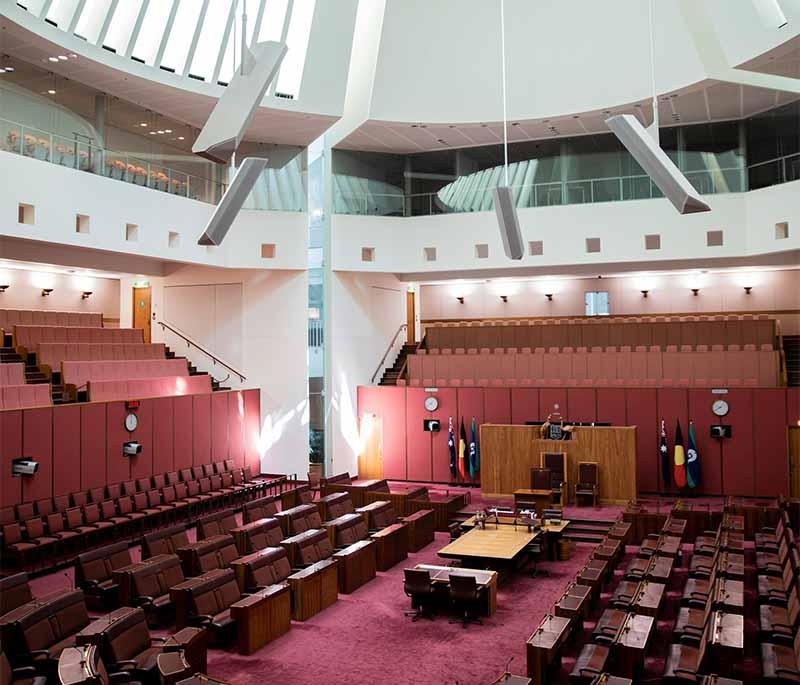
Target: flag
x: 663, y: 453
x: 680, y: 458
x: 451, y: 446
x: 462, y: 448
x: 692, y: 460
x: 474, y: 463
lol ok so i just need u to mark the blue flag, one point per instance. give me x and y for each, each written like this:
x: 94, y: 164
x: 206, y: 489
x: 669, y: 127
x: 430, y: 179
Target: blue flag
x: 474, y: 459
x: 451, y: 446
x: 692, y: 460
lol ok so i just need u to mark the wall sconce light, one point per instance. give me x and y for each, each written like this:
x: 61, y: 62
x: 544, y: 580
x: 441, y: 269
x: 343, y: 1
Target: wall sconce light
x: 460, y: 298
x: 747, y: 289
x: 549, y: 296
x: 644, y: 293
x: 3, y: 288
x: 504, y: 298
x: 46, y: 291
x: 86, y: 294
x: 695, y: 291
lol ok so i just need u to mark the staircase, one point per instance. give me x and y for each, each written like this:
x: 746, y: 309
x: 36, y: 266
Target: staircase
x: 587, y: 530
x: 392, y: 373
x: 193, y: 371
x: 791, y: 351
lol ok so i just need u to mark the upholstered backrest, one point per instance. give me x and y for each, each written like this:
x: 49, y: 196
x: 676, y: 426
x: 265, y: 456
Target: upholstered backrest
x: 127, y: 637
x: 14, y: 592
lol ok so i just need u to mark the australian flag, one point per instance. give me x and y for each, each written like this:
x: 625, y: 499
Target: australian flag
x: 451, y: 446
x: 663, y: 454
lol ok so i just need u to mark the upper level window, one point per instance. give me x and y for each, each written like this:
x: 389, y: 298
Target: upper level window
x: 121, y: 26
x: 291, y: 73
x: 596, y: 303
x: 180, y: 38
x: 152, y: 31
x: 61, y: 12
x: 208, y: 47
x: 273, y: 20
x: 90, y: 23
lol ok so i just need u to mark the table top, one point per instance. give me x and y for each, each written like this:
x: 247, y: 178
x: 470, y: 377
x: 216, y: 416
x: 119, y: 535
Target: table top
x: 369, y: 483
x: 552, y: 526
x: 503, y: 542
x: 550, y: 632
x: 442, y: 573
x: 636, y: 631
x: 728, y: 630
x: 533, y: 493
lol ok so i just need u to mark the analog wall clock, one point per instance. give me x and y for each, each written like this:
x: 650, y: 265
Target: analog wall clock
x: 720, y: 407
x: 431, y: 403
x: 131, y: 422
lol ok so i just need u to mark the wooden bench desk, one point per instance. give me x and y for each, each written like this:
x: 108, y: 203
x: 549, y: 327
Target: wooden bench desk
x: 632, y: 642
x: 538, y: 499
x: 391, y: 546
x: 261, y: 617
x: 356, y: 565
x: 487, y: 579
x: 544, y: 647
x: 398, y: 495
x: 421, y: 528
x: 314, y: 588
x: 726, y: 642
x: 92, y: 634
x: 500, y: 545
x: 443, y: 504
x: 574, y: 604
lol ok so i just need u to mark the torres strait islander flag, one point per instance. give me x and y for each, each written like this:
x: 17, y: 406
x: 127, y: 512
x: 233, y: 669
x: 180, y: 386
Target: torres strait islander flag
x: 680, y: 458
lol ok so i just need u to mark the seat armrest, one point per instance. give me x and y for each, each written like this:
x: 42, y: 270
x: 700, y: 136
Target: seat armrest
x: 200, y: 619
x: 120, y: 677
x: 24, y: 672
x: 89, y: 583
x: 125, y: 665
x: 38, y: 654
x: 142, y: 600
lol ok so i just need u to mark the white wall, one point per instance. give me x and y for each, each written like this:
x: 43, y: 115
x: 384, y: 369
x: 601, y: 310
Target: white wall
x: 366, y: 311
x: 25, y: 291
x: 58, y: 193
x: 747, y: 219
x: 271, y: 336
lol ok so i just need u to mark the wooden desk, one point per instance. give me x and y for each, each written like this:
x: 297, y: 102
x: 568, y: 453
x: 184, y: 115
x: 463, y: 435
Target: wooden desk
x: 78, y: 665
x: 539, y: 499
x: 92, y: 634
x: 729, y: 595
x: 398, y: 495
x: 241, y: 534
x: 574, y: 604
x: 421, y: 528
x: 621, y: 531
x: 544, y: 647
x: 356, y: 488
x: 631, y: 644
x: 726, y: 641
x: 292, y: 545
x: 332, y: 526
x: 313, y: 589
x: 486, y: 579
x: 443, y: 504
x: 391, y: 546
x: 261, y: 617
x: 501, y: 544
x: 658, y: 569
x: 367, y: 511
x: 356, y: 565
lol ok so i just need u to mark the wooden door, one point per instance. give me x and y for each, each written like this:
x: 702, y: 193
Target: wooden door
x: 141, y: 310
x: 370, y: 460
x: 411, y: 334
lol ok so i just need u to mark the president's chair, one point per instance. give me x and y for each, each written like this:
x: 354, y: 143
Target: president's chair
x: 588, y: 483
x: 466, y: 597
x: 557, y: 463
x: 418, y: 586
x: 541, y: 479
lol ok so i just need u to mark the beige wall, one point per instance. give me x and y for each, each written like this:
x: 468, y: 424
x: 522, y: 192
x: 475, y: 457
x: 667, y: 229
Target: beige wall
x: 772, y: 291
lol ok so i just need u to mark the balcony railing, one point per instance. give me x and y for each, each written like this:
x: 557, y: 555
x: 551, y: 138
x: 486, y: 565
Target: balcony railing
x: 77, y: 154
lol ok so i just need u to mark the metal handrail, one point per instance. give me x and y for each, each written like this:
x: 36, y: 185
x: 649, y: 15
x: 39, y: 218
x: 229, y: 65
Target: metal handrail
x: 388, y: 349
x: 194, y: 343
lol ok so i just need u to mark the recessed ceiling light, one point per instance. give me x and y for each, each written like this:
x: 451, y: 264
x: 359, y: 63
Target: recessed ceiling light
x: 2, y: 71
x: 152, y: 133
x: 160, y: 132
x: 52, y: 59
x: 10, y: 69
x: 167, y: 130
x: 51, y: 92
x: 180, y: 137
x: 143, y: 124
x: 63, y: 58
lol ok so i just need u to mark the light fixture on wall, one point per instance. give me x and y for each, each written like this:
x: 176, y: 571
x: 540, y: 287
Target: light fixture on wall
x: 86, y: 294
x: 504, y: 298
x: 460, y: 298
x: 747, y: 289
x: 46, y: 291
x: 695, y: 291
x: 644, y: 293
x: 549, y: 296
x: 3, y: 288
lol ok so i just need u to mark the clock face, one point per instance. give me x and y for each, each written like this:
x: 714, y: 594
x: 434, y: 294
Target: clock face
x: 431, y: 403
x: 720, y: 407
x: 131, y: 422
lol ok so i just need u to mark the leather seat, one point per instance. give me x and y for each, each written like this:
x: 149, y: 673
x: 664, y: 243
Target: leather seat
x: 14, y: 592
x: 23, y: 675
x: 591, y: 662
x: 127, y: 646
x: 94, y: 573
x: 211, y: 600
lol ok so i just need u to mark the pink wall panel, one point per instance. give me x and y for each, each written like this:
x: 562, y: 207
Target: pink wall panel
x: 201, y: 409
x: 236, y: 428
x: 611, y: 406
x: 252, y: 429
x: 183, y: 429
x: 143, y: 465
x: 738, y: 466
x: 10, y: 448
x: 709, y: 449
x: 93, y: 447
x: 163, y: 434
x: 770, y: 454
x: 641, y: 412
x: 582, y: 404
x: 496, y: 405
x: 37, y: 444
x: 389, y: 405
x: 418, y: 442
x: 524, y: 405
x: 673, y: 406
x: 219, y: 427
x: 448, y: 406
x: 552, y: 400
x: 119, y: 468
x: 470, y: 403
x: 66, y: 449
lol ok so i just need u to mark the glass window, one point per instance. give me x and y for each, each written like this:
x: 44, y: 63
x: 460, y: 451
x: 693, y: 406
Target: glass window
x: 233, y: 48
x: 596, y: 303
x: 272, y: 21
x: 122, y: 23
x: 205, y: 57
x: 33, y: 6
x: 180, y: 38
x: 61, y: 12
x: 291, y: 73
x: 92, y: 18
x: 152, y: 31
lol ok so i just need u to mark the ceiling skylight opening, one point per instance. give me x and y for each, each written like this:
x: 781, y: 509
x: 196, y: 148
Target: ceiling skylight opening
x: 91, y: 20
x: 233, y: 48
x: 121, y: 26
x: 152, y: 32
x: 291, y: 74
x: 274, y: 18
x: 61, y: 13
x: 207, y: 53
x: 181, y: 36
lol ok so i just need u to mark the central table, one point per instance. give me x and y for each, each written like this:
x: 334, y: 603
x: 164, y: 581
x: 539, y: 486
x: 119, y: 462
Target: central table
x: 502, y: 545
x: 487, y: 579
x: 553, y: 529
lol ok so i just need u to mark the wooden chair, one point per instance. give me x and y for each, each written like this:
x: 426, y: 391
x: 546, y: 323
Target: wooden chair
x: 557, y: 463
x: 588, y: 482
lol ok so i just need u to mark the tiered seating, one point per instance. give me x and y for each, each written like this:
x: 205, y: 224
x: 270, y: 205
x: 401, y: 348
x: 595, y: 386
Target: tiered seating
x: 50, y: 355
x: 147, y: 584
x: 14, y: 592
x: 299, y: 519
x: 269, y: 566
x: 94, y: 573
x: 257, y: 535
x: 24, y: 396
x: 36, y: 317
x: 27, y: 337
x: 80, y: 373
x: 206, y: 555
x: 12, y: 374
x: 701, y: 366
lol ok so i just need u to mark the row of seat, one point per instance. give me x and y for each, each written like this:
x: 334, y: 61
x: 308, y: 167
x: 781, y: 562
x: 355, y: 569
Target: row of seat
x: 52, y: 354
x: 12, y: 374
x: 79, y: 373
x: 26, y: 338
x: 604, y: 332
x: 170, y: 386
x: 640, y: 366
x: 44, y: 317
x: 25, y: 396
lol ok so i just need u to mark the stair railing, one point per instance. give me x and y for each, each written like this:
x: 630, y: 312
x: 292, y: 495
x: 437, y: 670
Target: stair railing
x: 389, y: 348
x: 193, y: 343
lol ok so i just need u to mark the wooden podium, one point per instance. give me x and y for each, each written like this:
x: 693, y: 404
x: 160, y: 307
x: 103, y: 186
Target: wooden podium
x: 508, y: 453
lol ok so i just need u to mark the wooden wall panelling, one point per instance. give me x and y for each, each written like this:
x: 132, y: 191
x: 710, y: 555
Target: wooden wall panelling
x: 236, y: 428
x: 794, y: 460
x: 524, y: 405
x: 418, y: 442
x: 611, y: 406
x: 709, y: 449
x: 673, y: 405
x: 164, y: 434
x: 219, y: 427
x: 582, y: 404
x: 552, y: 400
x: 440, y: 453
x: 118, y: 468
x: 738, y: 466
x: 37, y: 444
x: 770, y: 455
x: 10, y: 449
x: 93, y: 447
x: 201, y: 410
x: 142, y: 465
x: 641, y: 411
x: 496, y: 406
x: 252, y: 429
x: 389, y: 404
x: 66, y: 449
x: 182, y: 431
